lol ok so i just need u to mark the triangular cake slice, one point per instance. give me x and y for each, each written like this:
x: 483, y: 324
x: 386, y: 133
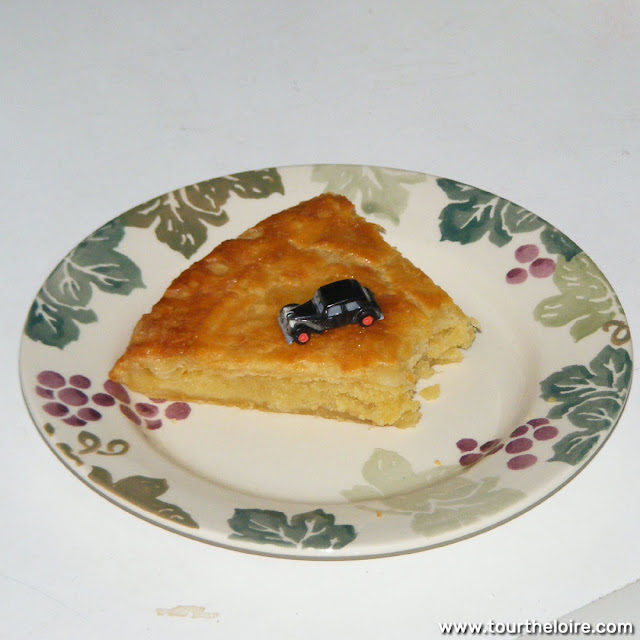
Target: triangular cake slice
x: 214, y: 336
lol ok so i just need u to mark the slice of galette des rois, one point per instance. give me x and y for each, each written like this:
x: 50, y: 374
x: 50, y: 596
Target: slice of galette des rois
x: 214, y: 336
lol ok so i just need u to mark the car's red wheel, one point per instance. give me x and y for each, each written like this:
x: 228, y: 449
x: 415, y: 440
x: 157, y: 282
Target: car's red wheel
x: 302, y: 337
x: 366, y: 319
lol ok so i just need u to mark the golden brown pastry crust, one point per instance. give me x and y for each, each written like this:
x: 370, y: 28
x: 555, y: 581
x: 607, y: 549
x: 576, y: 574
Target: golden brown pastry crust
x: 221, y: 313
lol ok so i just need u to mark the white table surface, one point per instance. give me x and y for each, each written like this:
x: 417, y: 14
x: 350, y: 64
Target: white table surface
x: 105, y: 105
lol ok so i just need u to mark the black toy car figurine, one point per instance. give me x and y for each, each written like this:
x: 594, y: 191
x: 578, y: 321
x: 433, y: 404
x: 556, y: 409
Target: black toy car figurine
x: 333, y: 305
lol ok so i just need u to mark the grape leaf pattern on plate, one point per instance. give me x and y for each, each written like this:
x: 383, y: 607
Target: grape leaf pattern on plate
x: 591, y: 397
x: 180, y: 217
x: 138, y: 490
x: 380, y: 190
x: 107, y: 435
x: 474, y: 213
x: 586, y: 298
x: 143, y: 492
x: 64, y: 300
x: 438, y: 500
x: 313, y: 529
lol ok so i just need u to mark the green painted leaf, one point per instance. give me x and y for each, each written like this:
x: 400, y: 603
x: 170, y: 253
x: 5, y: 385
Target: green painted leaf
x: 143, y: 492
x: 612, y: 369
x: 585, y: 298
x: 360, y: 493
x: 568, y: 387
x: 55, y: 324
x: 459, y: 191
x: 518, y: 219
x: 319, y: 530
x: 475, y: 213
x: 437, y: 500
x: 595, y: 414
x: 380, y: 191
x: 606, y: 378
x: 471, y: 501
x: 574, y: 447
x: 95, y: 261
x: 590, y: 397
x: 180, y: 218
x: 248, y: 184
x: 393, y: 479
x: 313, y: 529
x: 390, y: 473
x: 64, y: 300
x: 555, y: 241
x: 261, y: 525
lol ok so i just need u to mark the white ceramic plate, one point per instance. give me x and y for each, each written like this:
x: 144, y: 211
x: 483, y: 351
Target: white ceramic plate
x: 535, y: 398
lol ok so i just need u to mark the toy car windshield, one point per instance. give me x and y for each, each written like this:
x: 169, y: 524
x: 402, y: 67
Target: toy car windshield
x: 333, y: 305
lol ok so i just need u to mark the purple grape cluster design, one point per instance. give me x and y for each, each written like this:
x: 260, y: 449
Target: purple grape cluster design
x: 529, y: 254
x: 518, y: 446
x: 73, y: 401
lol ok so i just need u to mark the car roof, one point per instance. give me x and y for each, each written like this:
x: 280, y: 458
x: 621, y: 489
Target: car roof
x: 341, y: 291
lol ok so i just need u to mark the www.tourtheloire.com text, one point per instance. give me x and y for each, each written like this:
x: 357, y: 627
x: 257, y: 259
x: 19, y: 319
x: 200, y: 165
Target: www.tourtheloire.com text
x: 555, y: 627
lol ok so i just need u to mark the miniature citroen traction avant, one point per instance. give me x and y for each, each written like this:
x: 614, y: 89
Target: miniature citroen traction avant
x: 333, y: 305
